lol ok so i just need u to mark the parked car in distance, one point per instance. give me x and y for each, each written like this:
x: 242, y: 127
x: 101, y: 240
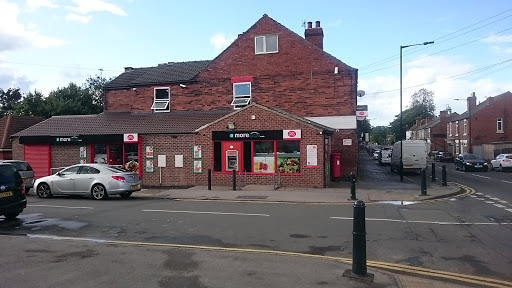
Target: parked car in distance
x: 468, y: 161
x: 12, y: 192
x: 376, y: 154
x: 385, y: 156
x: 444, y: 157
x: 502, y: 162
x: 96, y: 180
x: 25, y: 171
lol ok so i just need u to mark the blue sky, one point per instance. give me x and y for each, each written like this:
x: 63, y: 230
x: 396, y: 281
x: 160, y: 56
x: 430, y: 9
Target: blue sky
x: 45, y: 44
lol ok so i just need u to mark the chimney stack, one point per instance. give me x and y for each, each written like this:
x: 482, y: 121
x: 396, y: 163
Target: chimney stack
x: 128, y: 69
x: 315, y: 35
x: 443, y: 114
x: 471, y: 101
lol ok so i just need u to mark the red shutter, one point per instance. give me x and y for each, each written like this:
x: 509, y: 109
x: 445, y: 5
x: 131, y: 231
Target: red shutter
x: 38, y: 156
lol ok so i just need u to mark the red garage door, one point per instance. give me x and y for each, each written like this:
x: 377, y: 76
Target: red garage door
x: 38, y: 156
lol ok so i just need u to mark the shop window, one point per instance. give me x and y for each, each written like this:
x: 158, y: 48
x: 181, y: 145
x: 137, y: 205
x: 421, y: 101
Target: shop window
x: 264, y: 158
x: 161, y: 100
x: 114, y: 155
x: 265, y: 44
x: 241, y: 94
x: 288, y: 156
x: 131, y: 157
x: 217, y: 156
x: 100, y: 153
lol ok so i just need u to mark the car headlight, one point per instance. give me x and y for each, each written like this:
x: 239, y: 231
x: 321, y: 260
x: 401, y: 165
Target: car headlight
x: 467, y: 163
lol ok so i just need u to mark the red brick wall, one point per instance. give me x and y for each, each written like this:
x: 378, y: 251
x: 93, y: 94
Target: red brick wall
x: 6, y: 155
x: 484, y: 121
x: 348, y: 152
x: 66, y: 155
x: 299, y: 78
x: 169, y: 145
x: 265, y: 120
x: 17, y: 149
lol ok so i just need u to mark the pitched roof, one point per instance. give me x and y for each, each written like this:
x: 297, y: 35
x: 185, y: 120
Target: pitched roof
x: 12, y: 124
x: 179, y: 122
x: 482, y: 105
x: 172, y: 72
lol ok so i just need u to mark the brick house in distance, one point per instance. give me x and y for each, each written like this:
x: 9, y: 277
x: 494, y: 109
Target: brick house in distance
x: 272, y: 102
x: 433, y: 131
x: 9, y: 125
x: 484, y: 129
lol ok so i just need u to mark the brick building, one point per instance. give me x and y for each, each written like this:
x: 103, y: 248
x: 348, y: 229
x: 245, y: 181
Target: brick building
x: 272, y: 102
x: 484, y: 129
x: 433, y: 131
x: 9, y: 125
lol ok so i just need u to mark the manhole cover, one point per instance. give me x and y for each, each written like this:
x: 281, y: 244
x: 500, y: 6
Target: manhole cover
x: 251, y: 197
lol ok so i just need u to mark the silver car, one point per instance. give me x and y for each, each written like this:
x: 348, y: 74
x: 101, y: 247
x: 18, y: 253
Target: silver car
x: 97, y: 180
x: 25, y: 171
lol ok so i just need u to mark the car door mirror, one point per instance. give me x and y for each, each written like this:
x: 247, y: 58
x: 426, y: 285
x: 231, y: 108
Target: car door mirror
x: 58, y: 174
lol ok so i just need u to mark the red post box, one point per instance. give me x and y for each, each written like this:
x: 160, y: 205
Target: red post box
x: 336, y: 166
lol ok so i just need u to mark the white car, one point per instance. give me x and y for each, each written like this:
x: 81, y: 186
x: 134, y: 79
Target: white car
x: 502, y: 162
x: 96, y: 180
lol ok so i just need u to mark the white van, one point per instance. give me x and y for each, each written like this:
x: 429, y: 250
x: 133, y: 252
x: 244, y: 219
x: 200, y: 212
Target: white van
x: 414, y: 156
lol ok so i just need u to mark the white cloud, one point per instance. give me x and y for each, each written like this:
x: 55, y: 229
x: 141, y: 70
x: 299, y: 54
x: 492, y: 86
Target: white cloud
x: 35, y: 4
x: 220, y: 41
x: 88, y: 6
x: 498, y: 39
x: 14, y: 35
x: 336, y: 23
x: 78, y: 18
x: 501, y: 50
x: 383, y: 107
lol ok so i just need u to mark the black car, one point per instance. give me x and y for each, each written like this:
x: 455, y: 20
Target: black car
x: 469, y: 161
x: 12, y: 192
x: 445, y: 157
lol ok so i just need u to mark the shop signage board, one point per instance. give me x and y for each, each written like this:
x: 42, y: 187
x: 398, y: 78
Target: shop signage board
x: 256, y: 135
x: 67, y: 139
x: 178, y: 161
x: 83, y: 152
x: 150, y: 166
x: 149, y: 152
x: 291, y: 134
x: 347, y: 142
x: 198, y: 166
x: 362, y: 111
x: 131, y: 138
x: 162, y: 161
x: 312, y: 156
x: 197, y: 151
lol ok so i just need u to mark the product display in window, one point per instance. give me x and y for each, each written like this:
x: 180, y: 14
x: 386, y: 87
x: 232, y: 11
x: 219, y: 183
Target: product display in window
x: 288, y: 164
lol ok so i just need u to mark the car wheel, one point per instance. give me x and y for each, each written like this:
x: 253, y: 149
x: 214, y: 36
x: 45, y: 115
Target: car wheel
x: 99, y: 192
x: 43, y: 190
x: 11, y: 216
x: 501, y: 168
x: 125, y: 195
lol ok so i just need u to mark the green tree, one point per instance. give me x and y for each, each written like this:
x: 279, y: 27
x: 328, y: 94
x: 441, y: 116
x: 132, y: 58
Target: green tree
x: 72, y: 100
x: 9, y: 100
x: 379, y: 135
x: 363, y: 126
x: 33, y: 104
x: 95, y: 85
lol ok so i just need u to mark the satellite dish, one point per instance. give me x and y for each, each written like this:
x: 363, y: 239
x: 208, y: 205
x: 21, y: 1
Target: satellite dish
x: 360, y: 93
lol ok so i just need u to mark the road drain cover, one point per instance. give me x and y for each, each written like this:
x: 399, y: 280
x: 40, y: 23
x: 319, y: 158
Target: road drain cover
x: 251, y: 197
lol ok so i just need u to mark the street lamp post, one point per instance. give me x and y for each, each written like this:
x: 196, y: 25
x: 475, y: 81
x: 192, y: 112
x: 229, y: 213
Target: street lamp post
x: 401, y: 128
x: 469, y: 124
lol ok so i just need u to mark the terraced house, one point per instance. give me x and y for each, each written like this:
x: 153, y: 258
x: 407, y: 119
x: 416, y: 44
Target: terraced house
x: 272, y: 105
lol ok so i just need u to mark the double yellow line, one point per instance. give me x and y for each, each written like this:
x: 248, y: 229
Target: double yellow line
x: 395, y: 268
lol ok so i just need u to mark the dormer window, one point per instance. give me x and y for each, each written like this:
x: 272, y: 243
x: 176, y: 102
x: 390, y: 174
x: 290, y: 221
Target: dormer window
x: 241, y: 95
x: 265, y: 44
x: 161, y: 100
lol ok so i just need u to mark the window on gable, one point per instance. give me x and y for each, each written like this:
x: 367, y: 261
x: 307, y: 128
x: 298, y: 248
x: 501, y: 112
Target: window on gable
x: 499, y: 125
x: 241, y: 95
x: 161, y: 100
x: 265, y: 44
x: 465, y: 126
x: 456, y: 128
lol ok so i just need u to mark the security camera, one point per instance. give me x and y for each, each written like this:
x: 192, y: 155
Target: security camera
x: 183, y: 86
x: 134, y: 89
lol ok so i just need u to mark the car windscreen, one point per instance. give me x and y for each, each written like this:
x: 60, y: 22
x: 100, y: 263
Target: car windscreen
x: 6, y: 174
x: 21, y: 166
x: 472, y: 157
x: 447, y: 154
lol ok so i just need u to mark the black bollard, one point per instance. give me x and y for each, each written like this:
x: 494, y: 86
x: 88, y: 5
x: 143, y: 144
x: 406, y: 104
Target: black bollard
x: 359, y: 269
x: 234, y: 180
x: 401, y: 170
x: 423, y: 182
x: 352, y: 186
x: 433, y: 172
x: 209, y: 179
x: 443, y: 174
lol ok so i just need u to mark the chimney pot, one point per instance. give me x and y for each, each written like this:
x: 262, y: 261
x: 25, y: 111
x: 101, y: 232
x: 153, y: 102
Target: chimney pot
x: 315, y: 35
x: 128, y: 69
x: 310, y: 25
x: 317, y: 24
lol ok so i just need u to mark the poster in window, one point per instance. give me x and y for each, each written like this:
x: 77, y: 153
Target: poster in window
x: 198, y: 151
x: 150, y: 166
x: 198, y: 166
x: 83, y: 152
x: 312, y: 156
x: 83, y: 161
x: 149, y: 151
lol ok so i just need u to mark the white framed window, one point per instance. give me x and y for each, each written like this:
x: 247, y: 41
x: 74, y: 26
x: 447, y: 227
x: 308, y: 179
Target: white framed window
x: 265, y: 44
x: 450, y: 129
x: 465, y: 126
x: 499, y: 125
x: 162, y: 96
x: 456, y: 128
x: 241, y: 94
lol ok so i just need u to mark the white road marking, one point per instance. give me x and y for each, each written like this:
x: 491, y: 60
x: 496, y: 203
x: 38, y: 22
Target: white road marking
x: 481, y: 176
x: 54, y: 206
x: 473, y: 196
x: 453, y: 199
x: 506, y: 181
x: 202, y: 212
x: 425, y: 222
x: 503, y: 201
x: 481, y: 199
x: 459, y: 172
x: 490, y: 202
x: 509, y: 210
x: 499, y: 205
x: 479, y: 193
x: 495, y: 199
